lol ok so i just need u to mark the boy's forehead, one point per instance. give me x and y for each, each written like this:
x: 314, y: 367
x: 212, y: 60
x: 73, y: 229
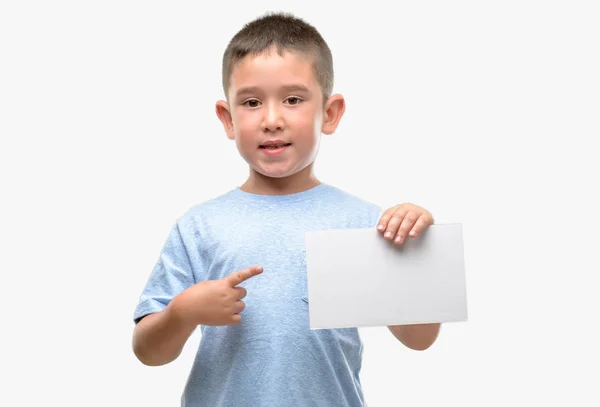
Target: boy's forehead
x: 270, y: 69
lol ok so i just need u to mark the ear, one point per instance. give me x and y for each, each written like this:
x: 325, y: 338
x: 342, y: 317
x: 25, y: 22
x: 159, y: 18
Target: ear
x: 224, y: 114
x: 333, y: 111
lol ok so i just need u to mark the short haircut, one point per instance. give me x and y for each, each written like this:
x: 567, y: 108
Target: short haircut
x: 285, y: 32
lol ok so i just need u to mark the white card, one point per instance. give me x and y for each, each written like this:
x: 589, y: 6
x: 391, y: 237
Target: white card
x: 357, y: 278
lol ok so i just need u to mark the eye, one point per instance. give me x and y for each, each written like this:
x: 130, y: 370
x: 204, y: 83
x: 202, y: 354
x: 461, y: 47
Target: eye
x: 292, y: 100
x: 251, y: 103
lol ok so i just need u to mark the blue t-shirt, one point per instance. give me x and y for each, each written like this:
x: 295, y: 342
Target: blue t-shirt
x: 271, y: 358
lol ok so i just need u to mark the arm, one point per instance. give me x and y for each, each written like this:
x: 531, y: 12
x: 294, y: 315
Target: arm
x: 416, y: 337
x: 159, y: 338
x: 397, y: 224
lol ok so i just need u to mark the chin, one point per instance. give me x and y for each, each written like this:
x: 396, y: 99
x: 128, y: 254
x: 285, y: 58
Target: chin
x: 277, y: 172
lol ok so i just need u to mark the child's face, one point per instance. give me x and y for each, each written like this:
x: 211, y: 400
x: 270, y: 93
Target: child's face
x: 277, y: 99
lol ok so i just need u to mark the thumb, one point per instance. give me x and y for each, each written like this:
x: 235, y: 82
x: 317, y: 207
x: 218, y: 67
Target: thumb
x: 240, y: 276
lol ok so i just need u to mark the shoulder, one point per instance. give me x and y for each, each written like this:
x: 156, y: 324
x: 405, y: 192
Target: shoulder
x: 208, y: 209
x: 366, y: 211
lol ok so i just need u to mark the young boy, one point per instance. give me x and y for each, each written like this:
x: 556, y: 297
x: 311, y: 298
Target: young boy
x: 235, y: 265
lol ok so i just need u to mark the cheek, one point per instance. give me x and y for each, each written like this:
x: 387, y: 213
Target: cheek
x: 245, y: 126
x: 307, y: 122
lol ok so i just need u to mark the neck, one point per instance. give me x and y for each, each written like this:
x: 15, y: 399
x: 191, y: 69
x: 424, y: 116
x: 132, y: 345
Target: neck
x: 260, y: 184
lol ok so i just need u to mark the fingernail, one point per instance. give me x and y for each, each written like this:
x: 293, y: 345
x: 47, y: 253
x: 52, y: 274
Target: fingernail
x: 399, y: 239
x: 388, y: 234
x: 413, y: 233
x: 380, y: 228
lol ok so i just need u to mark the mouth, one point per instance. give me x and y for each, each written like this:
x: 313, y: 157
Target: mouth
x: 274, y: 146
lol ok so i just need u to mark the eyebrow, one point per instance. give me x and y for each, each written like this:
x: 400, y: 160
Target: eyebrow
x: 286, y: 88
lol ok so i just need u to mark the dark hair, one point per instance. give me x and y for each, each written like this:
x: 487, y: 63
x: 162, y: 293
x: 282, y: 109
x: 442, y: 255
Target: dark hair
x: 287, y: 33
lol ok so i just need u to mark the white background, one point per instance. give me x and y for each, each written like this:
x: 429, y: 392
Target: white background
x: 485, y: 113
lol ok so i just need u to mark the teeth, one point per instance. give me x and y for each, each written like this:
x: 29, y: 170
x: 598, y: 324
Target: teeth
x: 274, y: 146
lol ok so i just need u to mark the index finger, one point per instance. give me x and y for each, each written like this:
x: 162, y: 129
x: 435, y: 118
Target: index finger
x: 238, y: 277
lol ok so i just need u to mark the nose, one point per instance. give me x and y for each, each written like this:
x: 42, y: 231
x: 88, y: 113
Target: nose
x: 272, y: 120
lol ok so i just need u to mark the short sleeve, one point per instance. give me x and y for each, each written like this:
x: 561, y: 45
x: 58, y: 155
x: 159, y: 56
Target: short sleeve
x: 376, y: 214
x: 172, y: 274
